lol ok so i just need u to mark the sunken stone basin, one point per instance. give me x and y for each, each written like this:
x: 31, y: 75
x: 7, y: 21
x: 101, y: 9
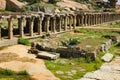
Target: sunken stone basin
x: 72, y: 51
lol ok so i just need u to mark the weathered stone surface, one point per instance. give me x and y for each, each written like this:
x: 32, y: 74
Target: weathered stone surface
x: 37, y: 69
x: 14, y: 5
x: 72, y: 5
x: 107, y: 57
x: 2, y: 4
x: 108, y: 71
x: 105, y: 46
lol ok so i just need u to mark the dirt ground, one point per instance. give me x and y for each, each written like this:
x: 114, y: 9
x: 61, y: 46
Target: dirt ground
x: 17, y: 58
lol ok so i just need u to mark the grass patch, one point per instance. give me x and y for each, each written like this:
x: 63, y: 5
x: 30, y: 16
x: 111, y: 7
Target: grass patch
x: 6, y: 74
x: 24, y: 41
x: 80, y: 65
x: 70, y: 41
x: 22, y: 73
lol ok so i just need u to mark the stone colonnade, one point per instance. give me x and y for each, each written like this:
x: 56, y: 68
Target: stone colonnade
x: 42, y: 23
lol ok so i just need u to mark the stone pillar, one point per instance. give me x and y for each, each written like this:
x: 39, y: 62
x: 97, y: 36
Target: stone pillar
x: 31, y: 24
x: 59, y: 18
x: 21, y: 26
x: 65, y: 22
x: 85, y: 19
x: 40, y: 19
x: 91, y: 19
x: 104, y: 18
x: 0, y: 28
x: 74, y: 21
x: 93, y: 16
x: 10, y: 28
x: 82, y: 20
x: 70, y: 22
x: 47, y: 24
x: 98, y: 18
x: 0, y: 33
x: 78, y: 19
x: 62, y: 22
x: 54, y: 24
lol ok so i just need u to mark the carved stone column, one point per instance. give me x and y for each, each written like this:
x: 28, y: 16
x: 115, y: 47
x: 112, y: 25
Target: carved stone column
x: 0, y: 33
x: 94, y: 22
x: 31, y: 24
x: 21, y: 25
x: 47, y: 24
x: 10, y: 28
x: 65, y: 22
x: 70, y: 22
x: 54, y: 24
x: 85, y: 20
x: 88, y: 19
x: 78, y: 19
x: 0, y: 28
x: 74, y: 21
x: 58, y: 20
x: 91, y: 19
x: 82, y: 20
x: 40, y: 19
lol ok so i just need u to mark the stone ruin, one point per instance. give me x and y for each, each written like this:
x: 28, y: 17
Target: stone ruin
x: 69, y: 51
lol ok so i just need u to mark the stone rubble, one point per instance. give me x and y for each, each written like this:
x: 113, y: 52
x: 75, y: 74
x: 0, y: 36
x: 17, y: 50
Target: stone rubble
x: 108, y: 71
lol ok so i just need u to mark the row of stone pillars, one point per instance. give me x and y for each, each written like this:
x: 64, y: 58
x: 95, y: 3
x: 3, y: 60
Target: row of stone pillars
x: 88, y: 19
x: 45, y: 23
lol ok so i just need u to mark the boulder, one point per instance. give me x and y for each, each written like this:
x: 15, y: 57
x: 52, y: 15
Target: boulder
x: 107, y: 57
x: 14, y: 5
x: 72, y: 5
x: 2, y: 4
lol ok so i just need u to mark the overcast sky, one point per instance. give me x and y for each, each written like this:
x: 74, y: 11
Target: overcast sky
x: 117, y: 2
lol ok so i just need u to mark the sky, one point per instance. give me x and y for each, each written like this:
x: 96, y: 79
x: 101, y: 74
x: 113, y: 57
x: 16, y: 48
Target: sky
x: 117, y: 2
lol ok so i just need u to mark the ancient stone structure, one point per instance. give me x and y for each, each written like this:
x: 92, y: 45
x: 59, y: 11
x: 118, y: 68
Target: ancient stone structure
x: 37, y: 24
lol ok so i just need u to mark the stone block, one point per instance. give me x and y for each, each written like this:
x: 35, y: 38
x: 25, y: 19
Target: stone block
x: 107, y: 57
x: 47, y: 55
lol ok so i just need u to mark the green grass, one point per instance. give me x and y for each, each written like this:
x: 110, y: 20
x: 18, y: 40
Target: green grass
x: 6, y: 74
x: 24, y: 41
x: 78, y: 64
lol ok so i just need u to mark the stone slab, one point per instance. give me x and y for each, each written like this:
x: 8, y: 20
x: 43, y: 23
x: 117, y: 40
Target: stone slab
x: 107, y: 57
x: 47, y: 55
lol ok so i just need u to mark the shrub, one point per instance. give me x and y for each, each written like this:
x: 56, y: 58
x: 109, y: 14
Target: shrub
x: 6, y: 72
x: 22, y: 73
x: 71, y: 41
x: 23, y: 41
x: 88, y: 59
